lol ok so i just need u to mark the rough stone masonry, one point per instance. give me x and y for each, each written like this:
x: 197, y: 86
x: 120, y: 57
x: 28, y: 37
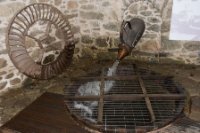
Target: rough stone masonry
x: 96, y: 24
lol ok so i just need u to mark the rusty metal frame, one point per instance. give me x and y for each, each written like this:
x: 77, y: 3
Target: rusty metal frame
x: 124, y: 97
x: 147, y: 100
x: 101, y: 98
x: 18, y: 29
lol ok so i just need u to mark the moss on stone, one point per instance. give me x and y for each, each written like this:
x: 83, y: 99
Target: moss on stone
x: 106, y: 56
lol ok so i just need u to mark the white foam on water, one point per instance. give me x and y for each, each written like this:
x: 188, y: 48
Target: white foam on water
x: 93, y: 88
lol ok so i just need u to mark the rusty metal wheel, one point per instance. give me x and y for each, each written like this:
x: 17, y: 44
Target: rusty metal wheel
x: 19, y: 31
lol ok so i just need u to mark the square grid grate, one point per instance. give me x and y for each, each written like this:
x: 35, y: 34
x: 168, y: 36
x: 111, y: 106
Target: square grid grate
x: 140, y: 100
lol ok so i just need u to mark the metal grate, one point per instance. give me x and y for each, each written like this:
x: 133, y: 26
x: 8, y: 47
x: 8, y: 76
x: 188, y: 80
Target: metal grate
x: 139, y: 101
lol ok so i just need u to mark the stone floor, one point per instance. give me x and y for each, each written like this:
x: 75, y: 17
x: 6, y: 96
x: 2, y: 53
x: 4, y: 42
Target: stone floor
x: 16, y: 99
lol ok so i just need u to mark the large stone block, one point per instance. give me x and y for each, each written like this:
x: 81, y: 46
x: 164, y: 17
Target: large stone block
x: 3, y: 51
x: 170, y: 45
x: 71, y: 16
x: 150, y: 46
x: 101, y: 42
x: 146, y: 13
x: 3, y: 63
x: 88, y: 7
x: 192, y: 46
x: 106, y: 3
x: 91, y: 15
x: 75, y: 29
x: 84, y: 1
x: 155, y: 28
x: 43, y: 1
x: 72, y: 5
x: 9, y: 76
x: 169, y: 12
x: 134, y: 9
x: 167, y: 9
x: 3, y: 85
x: 57, y: 2
x: 112, y: 26
x: 165, y: 26
x: 154, y: 20
x: 150, y: 36
x: 2, y: 0
x: 2, y: 29
x: 86, y: 39
x: 95, y: 24
x: 158, y: 4
x: 15, y: 81
x: 3, y: 73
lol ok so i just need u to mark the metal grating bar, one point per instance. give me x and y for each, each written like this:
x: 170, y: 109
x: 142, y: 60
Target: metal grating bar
x: 124, y: 107
x: 127, y: 97
x: 147, y: 100
x: 120, y: 77
x: 101, y: 100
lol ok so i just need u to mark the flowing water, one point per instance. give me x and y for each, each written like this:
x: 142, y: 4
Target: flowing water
x: 93, y: 88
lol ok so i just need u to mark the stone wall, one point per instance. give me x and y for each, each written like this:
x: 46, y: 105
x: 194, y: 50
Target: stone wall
x: 96, y: 24
x: 186, y: 51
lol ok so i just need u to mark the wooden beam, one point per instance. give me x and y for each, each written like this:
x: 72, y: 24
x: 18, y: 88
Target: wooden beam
x: 101, y: 99
x: 147, y: 100
x: 127, y: 97
x: 118, y: 77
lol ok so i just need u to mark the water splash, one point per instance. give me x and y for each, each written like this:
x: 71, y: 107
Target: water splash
x: 93, y: 88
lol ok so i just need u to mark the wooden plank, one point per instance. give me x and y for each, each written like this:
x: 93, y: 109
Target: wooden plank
x: 101, y: 100
x: 127, y: 97
x: 119, y: 77
x: 166, y: 96
x: 105, y: 77
x: 147, y: 100
x: 48, y: 114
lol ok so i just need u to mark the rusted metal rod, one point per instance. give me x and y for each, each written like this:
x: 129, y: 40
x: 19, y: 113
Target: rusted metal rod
x: 127, y: 97
x: 147, y: 100
x: 106, y: 78
x: 101, y: 99
x: 166, y: 96
x: 120, y: 77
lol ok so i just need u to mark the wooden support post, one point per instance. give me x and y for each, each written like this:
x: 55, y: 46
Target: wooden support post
x: 147, y: 100
x: 101, y: 102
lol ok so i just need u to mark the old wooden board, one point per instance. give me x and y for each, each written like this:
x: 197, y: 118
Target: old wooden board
x: 47, y: 114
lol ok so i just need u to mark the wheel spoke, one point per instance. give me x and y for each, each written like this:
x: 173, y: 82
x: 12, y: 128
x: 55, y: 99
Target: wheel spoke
x: 39, y: 26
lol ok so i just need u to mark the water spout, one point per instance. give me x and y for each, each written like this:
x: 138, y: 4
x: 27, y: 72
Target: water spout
x: 130, y: 34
